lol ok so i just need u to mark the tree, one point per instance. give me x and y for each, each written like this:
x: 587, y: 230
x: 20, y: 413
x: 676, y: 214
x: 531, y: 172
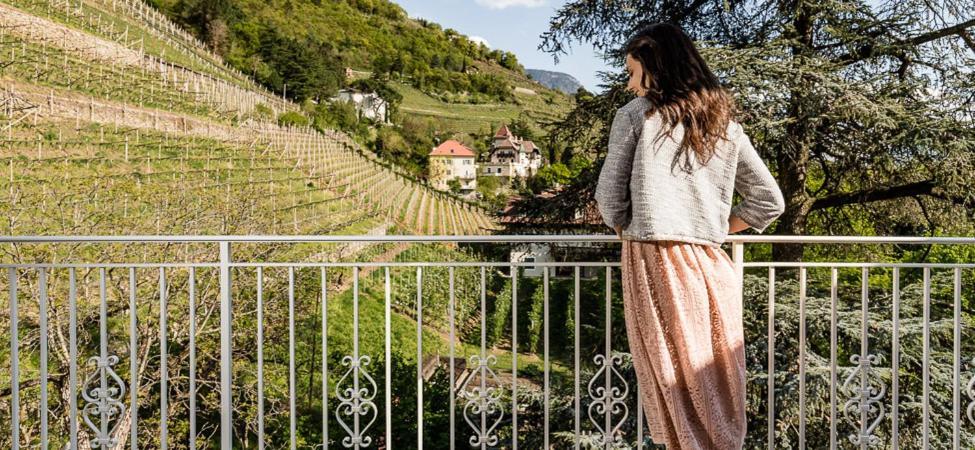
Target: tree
x: 292, y: 119
x: 308, y: 68
x: 521, y: 128
x: 549, y: 176
x: 376, y: 84
x: 864, y: 110
x: 209, y: 19
x: 454, y: 185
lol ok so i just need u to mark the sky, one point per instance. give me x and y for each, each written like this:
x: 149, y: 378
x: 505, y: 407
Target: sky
x: 515, y: 26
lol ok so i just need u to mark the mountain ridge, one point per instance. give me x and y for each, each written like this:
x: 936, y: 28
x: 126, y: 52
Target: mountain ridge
x: 551, y: 79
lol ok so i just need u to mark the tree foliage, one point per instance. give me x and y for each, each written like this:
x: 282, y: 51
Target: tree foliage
x: 861, y: 109
x: 302, y: 41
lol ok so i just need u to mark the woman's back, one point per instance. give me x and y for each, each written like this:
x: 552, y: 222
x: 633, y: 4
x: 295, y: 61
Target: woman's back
x: 682, y: 295
x: 656, y: 193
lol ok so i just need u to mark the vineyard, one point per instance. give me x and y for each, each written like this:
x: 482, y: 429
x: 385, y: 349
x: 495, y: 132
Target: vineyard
x: 135, y: 124
x: 113, y: 121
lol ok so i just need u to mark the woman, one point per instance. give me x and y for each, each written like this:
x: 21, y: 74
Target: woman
x: 675, y: 157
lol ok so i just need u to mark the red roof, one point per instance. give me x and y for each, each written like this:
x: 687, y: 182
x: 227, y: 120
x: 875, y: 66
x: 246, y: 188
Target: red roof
x: 503, y: 132
x: 451, y: 147
x: 506, y: 144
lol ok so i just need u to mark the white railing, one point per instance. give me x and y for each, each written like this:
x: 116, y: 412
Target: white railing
x: 910, y: 381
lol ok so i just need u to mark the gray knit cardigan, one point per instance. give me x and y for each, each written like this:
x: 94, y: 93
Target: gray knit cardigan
x: 655, y: 194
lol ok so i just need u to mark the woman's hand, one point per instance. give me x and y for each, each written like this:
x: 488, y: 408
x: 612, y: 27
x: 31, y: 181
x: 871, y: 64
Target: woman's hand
x: 619, y: 231
x: 736, y: 224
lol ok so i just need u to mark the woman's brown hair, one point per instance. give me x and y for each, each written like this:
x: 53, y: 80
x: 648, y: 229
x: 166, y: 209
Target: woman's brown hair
x: 680, y: 86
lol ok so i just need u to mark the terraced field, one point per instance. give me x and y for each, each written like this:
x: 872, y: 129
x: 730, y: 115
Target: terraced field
x: 478, y: 119
x: 115, y: 122
x: 90, y: 76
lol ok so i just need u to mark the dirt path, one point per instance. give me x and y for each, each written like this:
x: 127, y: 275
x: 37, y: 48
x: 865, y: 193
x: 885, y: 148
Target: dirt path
x: 40, y: 29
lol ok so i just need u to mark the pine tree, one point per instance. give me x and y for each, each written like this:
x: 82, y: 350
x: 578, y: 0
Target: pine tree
x: 864, y: 110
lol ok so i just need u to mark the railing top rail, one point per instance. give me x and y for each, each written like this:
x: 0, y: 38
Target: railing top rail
x: 521, y: 238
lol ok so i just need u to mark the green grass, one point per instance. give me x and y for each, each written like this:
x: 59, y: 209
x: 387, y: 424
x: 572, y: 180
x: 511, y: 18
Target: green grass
x: 49, y: 66
x: 99, y: 20
x: 476, y: 119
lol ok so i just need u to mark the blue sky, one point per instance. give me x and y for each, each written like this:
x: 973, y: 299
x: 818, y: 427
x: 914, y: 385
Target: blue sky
x: 514, y: 26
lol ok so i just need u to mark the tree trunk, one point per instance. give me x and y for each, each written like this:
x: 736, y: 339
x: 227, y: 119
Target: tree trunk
x: 793, y: 156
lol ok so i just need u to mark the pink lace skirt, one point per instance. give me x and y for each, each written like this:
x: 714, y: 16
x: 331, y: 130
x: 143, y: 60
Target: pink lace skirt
x: 683, y: 310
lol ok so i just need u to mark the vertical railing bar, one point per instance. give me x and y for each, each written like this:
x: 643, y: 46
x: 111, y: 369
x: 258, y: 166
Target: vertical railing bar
x: 133, y: 359
x: 802, y: 357
x: 864, y: 354
x: 956, y: 384
x: 771, y: 358
x: 895, y: 363
x: 483, y: 362
x: 575, y: 371
x: 833, y: 292
x: 450, y: 314
x: 192, y: 343
x: 103, y: 350
x: 514, y: 357
x: 738, y: 255
x: 545, y: 405
x: 389, y: 367
x: 419, y: 357
x: 226, y: 349
x: 608, y: 360
x: 260, y: 358
x: 355, y: 353
x: 73, y: 356
x: 163, y: 361
x: 355, y: 347
x: 925, y: 370
x: 325, y: 412
x: 42, y: 316
x: 14, y: 360
x: 292, y: 419
x: 639, y: 417
x: 14, y: 363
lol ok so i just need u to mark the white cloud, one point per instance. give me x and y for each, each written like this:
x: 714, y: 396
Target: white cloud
x: 478, y: 39
x: 502, y: 4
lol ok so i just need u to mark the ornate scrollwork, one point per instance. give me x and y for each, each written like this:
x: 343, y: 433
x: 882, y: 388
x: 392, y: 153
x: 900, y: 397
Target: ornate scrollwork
x: 355, y: 401
x: 103, y: 391
x: 485, y: 401
x: 864, y: 399
x: 611, y: 400
x: 971, y: 394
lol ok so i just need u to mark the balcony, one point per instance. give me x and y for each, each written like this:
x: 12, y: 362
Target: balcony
x: 229, y: 342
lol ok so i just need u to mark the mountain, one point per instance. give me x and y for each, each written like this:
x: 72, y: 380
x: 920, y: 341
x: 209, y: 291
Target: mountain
x: 307, y: 44
x: 441, y: 83
x: 555, y: 80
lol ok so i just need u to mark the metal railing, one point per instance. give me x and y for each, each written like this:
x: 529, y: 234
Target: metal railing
x: 810, y: 399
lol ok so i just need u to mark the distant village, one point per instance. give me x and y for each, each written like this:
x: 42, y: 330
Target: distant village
x: 509, y: 157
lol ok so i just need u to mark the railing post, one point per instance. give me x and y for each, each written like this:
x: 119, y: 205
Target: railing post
x: 226, y: 413
x: 738, y: 254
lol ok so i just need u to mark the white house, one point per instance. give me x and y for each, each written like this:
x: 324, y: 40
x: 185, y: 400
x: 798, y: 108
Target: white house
x: 511, y: 156
x: 367, y: 104
x: 452, y: 160
x: 583, y: 223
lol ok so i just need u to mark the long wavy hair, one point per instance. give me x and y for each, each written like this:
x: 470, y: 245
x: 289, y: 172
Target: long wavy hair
x: 680, y: 86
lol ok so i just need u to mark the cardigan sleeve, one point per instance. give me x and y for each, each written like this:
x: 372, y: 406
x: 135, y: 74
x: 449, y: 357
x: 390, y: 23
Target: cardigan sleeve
x: 613, y: 187
x: 762, y: 200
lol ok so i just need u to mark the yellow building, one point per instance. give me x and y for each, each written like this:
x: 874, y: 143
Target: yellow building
x: 452, y: 160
